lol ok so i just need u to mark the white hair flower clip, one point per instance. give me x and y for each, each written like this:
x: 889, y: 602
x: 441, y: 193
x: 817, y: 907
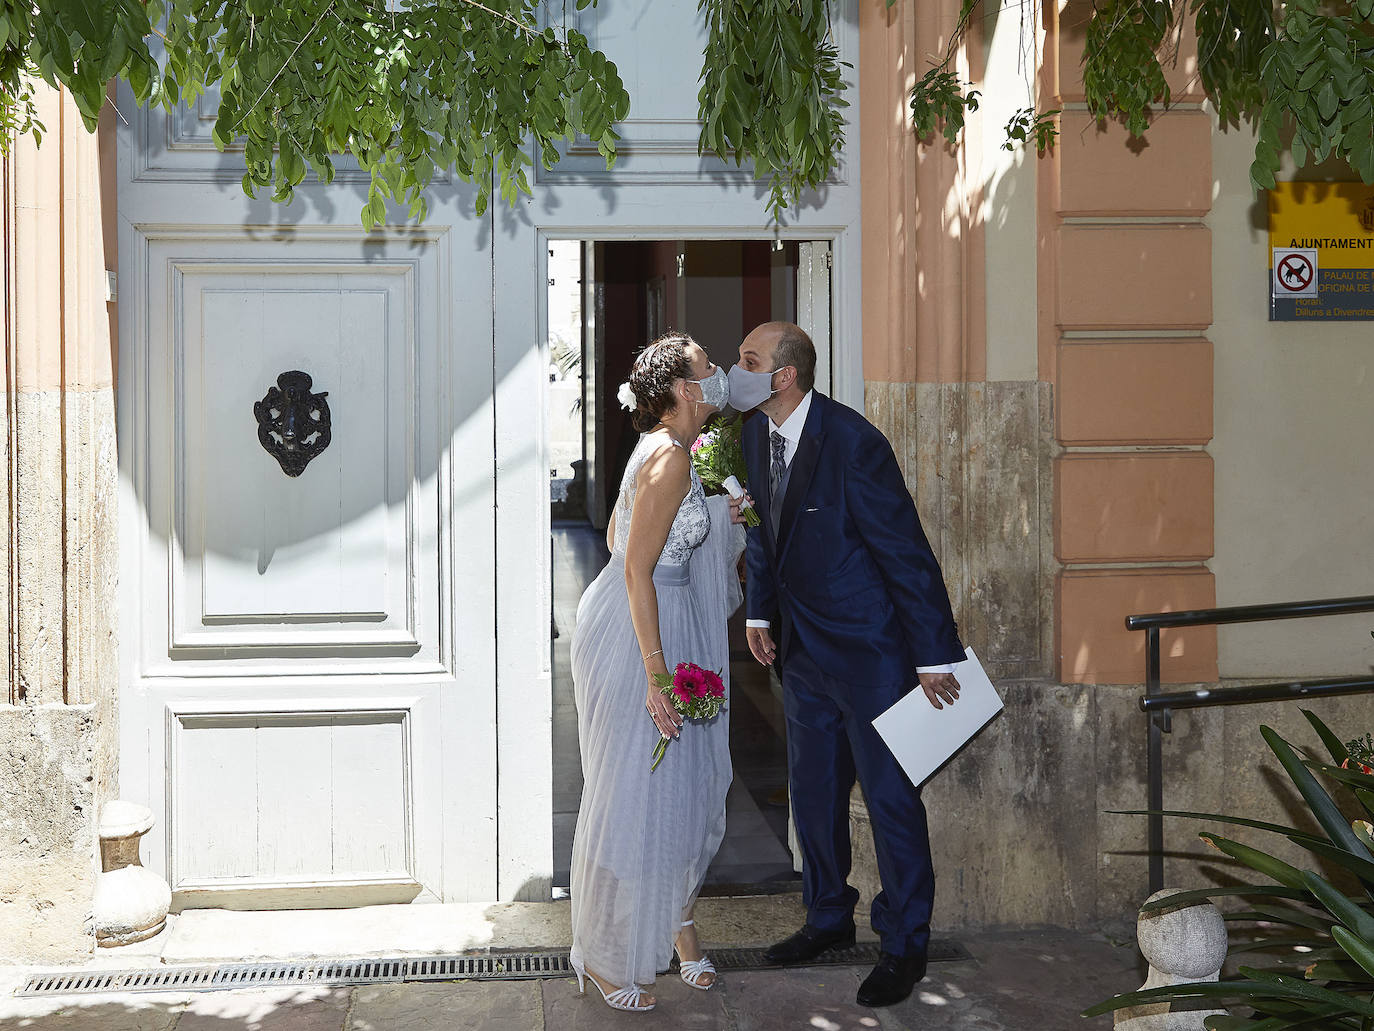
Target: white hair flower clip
x: 626, y: 396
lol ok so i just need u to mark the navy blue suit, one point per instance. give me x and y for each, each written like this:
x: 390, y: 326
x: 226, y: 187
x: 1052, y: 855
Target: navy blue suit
x: 857, y: 602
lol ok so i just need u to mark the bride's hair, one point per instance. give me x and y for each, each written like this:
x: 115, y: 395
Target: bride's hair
x: 656, y: 368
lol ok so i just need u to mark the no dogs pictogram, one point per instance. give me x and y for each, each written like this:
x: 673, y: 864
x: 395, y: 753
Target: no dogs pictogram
x: 1295, y: 272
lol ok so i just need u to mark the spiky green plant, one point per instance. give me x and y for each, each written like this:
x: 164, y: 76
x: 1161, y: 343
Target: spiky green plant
x: 1323, y: 938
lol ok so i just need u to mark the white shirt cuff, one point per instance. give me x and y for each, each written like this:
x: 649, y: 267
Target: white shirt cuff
x: 761, y: 623
x: 944, y: 667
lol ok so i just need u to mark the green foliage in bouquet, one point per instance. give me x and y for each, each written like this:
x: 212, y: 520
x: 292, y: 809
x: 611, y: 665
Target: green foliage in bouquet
x: 1321, y: 938
x: 718, y: 454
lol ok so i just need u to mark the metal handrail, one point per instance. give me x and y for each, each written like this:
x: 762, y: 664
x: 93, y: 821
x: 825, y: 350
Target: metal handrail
x: 1206, y: 697
x: 1252, y: 613
x: 1159, y: 707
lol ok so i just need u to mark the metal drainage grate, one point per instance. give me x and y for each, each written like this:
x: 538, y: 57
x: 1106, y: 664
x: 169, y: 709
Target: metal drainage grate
x: 478, y: 967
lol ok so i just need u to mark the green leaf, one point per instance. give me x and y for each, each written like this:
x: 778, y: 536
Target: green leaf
x: 1299, y: 150
x: 1184, y: 898
x: 1352, y: 777
x: 1327, y: 100
x: 1255, y: 984
x: 1339, y: 905
x: 1311, y: 76
x: 1295, y: 988
x: 1356, y: 948
x: 1275, y: 828
x: 1360, y: 867
x: 1266, y: 864
x: 1284, y: 915
x: 1327, y: 814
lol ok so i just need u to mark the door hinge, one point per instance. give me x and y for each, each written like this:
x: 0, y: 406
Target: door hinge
x: 829, y: 258
x: 681, y: 265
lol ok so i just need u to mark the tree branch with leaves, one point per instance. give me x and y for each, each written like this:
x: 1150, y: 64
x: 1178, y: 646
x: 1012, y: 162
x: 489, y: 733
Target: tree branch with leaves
x: 483, y: 88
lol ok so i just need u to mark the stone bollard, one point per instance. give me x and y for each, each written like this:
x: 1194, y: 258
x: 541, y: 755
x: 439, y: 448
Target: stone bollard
x: 1182, y: 946
x: 131, y: 902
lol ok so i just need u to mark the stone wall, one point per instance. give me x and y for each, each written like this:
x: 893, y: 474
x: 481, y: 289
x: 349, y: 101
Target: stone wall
x: 58, y: 720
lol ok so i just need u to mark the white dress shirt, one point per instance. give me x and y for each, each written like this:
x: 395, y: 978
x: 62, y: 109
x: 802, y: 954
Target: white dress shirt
x: 791, y: 430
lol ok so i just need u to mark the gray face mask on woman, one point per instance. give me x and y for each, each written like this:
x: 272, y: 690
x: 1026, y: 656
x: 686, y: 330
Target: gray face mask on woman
x: 715, y: 389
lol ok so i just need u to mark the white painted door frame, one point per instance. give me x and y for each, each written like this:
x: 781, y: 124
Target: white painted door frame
x: 660, y: 189
x: 432, y: 703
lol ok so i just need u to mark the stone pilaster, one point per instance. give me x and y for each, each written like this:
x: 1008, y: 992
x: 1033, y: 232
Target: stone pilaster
x: 58, y: 723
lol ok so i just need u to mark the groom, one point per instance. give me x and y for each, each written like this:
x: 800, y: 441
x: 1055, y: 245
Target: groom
x: 840, y: 567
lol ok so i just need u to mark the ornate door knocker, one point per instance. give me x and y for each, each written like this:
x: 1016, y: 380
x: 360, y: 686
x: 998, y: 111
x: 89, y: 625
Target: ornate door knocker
x: 293, y: 422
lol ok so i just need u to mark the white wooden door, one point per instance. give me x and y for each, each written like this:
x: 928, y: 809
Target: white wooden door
x: 308, y: 661
x: 323, y: 674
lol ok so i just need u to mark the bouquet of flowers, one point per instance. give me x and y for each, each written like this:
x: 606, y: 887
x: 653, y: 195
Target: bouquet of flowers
x: 718, y: 455
x: 696, y: 693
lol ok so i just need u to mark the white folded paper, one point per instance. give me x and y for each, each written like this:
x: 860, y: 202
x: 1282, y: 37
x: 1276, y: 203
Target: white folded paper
x: 924, y: 738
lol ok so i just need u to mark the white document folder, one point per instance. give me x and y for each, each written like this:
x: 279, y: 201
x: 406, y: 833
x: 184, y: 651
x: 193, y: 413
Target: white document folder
x: 924, y: 738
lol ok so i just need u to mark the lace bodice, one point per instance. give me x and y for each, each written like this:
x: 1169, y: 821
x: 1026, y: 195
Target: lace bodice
x: 689, y: 527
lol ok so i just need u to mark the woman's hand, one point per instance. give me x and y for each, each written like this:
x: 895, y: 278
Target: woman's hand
x: 667, y: 719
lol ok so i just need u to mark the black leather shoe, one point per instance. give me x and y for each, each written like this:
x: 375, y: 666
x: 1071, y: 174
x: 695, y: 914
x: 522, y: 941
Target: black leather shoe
x: 892, y: 979
x: 808, y: 943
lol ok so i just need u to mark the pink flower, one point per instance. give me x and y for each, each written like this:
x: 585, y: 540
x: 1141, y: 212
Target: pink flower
x: 683, y: 693
x: 714, y: 685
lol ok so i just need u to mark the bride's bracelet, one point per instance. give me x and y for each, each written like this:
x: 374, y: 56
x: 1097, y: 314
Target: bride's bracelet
x: 652, y: 654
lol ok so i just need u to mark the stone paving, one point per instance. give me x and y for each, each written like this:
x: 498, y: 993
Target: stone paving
x: 1028, y: 981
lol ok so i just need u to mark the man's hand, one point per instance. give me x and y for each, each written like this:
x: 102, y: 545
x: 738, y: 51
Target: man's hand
x: 736, y: 516
x: 761, y: 644
x: 938, y: 687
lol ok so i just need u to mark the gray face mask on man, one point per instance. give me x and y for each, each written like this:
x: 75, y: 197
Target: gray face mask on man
x: 749, y: 389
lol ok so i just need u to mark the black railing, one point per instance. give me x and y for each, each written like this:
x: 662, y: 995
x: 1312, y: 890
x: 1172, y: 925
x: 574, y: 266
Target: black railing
x: 1159, y: 706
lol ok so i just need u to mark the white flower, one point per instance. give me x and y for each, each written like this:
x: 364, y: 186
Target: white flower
x: 626, y: 396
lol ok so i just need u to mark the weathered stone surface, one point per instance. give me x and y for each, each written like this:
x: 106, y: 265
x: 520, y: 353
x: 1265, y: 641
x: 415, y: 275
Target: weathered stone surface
x: 48, y: 847
x: 1114, y: 758
x: 212, y: 935
x: 1014, y: 982
x: 491, y: 1005
x: 270, y: 1009
x: 1007, y: 828
x: 760, y: 920
x: 821, y: 997
x: 58, y: 723
x: 676, y: 1006
x: 978, y: 457
x: 127, y: 1012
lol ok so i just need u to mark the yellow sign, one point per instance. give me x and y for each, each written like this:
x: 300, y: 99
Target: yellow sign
x: 1325, y: 230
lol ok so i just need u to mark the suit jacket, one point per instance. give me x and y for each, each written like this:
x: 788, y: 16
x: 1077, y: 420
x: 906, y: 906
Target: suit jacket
x: 850, y: 575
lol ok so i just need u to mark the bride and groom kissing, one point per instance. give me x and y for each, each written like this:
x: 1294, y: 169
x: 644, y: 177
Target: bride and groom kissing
x: 845, y: 598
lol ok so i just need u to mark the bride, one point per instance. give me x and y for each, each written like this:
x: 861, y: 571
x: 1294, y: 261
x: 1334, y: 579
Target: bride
x: 644, y: 840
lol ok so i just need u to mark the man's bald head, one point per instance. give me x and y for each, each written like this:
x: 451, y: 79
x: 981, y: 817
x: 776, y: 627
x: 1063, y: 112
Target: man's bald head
x: 788, y: 345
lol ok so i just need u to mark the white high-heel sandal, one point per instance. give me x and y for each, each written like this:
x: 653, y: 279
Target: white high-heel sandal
x: 693, y: 970
x: 629, y: 999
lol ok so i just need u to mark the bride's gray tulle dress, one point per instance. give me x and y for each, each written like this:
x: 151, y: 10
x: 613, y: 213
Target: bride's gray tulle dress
x: 643, y: 841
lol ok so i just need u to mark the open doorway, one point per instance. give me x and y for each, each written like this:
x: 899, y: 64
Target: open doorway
x: 606, y: 299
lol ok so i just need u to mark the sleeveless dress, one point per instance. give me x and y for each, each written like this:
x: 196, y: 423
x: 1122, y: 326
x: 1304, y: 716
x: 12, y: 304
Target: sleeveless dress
x: 643, y: 841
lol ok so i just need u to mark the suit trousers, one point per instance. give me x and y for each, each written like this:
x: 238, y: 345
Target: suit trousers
x: 830, y: 740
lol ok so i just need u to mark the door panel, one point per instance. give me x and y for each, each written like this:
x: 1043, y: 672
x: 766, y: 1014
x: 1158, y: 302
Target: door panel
x: 309, y: 659
x: 347, y: 777
x: 319, y: 559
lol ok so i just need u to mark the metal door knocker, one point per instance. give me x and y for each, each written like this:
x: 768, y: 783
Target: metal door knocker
x: 293, y: 422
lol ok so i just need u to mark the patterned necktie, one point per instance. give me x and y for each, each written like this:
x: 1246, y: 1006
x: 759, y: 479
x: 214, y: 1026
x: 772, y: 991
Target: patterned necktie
x: 779, y: 445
